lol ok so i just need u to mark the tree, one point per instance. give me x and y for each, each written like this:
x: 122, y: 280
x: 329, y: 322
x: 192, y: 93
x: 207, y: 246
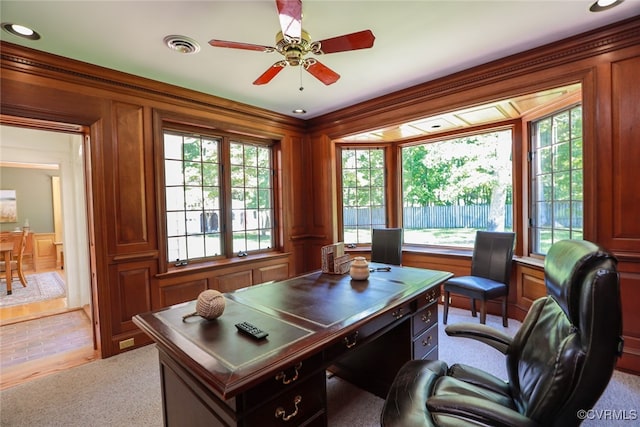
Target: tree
x: 474, y: 170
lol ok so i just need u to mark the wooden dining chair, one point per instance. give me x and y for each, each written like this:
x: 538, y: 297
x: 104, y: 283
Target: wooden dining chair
x: 16, y: 263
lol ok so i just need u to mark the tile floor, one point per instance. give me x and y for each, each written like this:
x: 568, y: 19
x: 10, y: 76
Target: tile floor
x: 39, y: 338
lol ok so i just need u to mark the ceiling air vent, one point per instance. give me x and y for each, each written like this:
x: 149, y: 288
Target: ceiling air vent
x: 182, y: 44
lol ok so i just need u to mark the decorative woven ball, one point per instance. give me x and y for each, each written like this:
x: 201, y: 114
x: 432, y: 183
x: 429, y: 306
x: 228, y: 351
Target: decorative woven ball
x: 210, y: 304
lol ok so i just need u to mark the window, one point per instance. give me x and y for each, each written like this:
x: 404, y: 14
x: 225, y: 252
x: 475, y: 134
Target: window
x: 199, y: 205
x: 363, y: 193
x: 556, y: 179
x: 251, y: 197
x: 452, y: 188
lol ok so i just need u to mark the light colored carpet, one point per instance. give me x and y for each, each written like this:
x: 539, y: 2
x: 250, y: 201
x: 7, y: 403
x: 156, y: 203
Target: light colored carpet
x: 125, y: 390
x: 40, y: 287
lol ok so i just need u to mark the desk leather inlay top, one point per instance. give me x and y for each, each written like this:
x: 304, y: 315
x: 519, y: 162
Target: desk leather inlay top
x: 232, y: 348
x: 326, y: 299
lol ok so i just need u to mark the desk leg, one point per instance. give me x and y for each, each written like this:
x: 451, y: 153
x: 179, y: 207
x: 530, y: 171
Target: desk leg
x: 7, y: 268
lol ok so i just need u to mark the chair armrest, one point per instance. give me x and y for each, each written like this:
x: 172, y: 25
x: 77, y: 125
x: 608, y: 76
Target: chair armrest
x: 483, y: 333
x: 477, y: 409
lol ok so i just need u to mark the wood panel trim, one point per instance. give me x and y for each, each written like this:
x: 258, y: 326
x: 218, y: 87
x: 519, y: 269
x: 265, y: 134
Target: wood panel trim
x: 136, y: 256
x: 31, y: 61
x: 589, y: 44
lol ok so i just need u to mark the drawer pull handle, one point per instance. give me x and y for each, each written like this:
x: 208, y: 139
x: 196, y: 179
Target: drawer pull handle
x: 426, y: 317
x: 427, y: 342
x: 281, y: 413
x: 351, y: 343
x: 398, y: 313
x: 282, y: 376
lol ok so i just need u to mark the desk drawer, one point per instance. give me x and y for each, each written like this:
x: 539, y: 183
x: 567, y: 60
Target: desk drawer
x: 429, y: 297
x: 424, y: 319
x: 285, y: 379
x: 296, y: 406
x: 357, y: 338
x: 425, y: 343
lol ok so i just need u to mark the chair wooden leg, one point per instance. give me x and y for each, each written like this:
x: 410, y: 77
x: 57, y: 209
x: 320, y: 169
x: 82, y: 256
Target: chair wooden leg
x: 483, y: 311
x: 446, y: 307
x: 474, y: 312
x: 23, y: 279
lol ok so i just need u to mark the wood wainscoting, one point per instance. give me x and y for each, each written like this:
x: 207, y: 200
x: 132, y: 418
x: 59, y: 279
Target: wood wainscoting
x: 45, y: 256
x: 40, y: 253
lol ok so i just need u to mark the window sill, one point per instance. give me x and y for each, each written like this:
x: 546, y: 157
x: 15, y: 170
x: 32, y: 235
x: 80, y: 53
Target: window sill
x: 530, y: 261
x: 427, y: 250
x: 198, y: 267
x: 450, y: 252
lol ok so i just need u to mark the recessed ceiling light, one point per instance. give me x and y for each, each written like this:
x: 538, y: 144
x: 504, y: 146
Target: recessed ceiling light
x: 601, y: 5
x: 20, y: 31
x: 299, y: 111
x: 182, y: 44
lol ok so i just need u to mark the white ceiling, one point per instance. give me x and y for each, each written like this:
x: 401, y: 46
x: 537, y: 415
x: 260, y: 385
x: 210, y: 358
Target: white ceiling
x: 416, y: 41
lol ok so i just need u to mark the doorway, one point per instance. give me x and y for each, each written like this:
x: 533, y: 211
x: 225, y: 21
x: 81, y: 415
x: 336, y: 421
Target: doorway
x: 29, y: 148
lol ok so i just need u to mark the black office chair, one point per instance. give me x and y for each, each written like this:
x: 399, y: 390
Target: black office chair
x: 490, y: 274
x: 386, y: 245
x: 558, y: 363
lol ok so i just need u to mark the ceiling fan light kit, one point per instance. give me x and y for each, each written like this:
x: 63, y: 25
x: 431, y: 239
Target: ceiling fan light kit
x: 294, y: 44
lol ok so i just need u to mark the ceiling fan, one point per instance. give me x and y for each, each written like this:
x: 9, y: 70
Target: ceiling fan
x: 294, y: 44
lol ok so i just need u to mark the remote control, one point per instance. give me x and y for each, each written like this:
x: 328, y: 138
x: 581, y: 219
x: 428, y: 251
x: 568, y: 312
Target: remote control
x: 251, y: 330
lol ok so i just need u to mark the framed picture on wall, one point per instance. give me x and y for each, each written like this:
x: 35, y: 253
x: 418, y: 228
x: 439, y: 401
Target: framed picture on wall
x: 8, y: 206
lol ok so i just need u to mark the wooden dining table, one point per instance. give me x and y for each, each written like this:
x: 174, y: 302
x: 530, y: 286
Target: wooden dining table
x: 6, y: 250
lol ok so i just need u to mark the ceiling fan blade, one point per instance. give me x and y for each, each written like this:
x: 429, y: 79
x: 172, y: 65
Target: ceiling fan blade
x: 238, y: 45
x: 270, y: 73
x: 320, y: 71
x: 359, y: 40
x: 290, y: 15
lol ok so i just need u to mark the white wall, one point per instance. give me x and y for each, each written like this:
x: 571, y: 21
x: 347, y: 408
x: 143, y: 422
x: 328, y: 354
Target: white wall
x: 44, y: 147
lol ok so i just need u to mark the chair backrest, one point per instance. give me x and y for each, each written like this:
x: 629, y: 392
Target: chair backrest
x: 23, y: 244
x: 493, y: 255
x: 562, y: 358
x: 386, y: 245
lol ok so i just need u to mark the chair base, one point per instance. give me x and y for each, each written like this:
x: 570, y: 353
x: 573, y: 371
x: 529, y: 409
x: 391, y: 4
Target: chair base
x: 483, y: 309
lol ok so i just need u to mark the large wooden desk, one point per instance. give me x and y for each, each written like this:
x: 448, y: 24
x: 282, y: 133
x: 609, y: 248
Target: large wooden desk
x: 361, y: 330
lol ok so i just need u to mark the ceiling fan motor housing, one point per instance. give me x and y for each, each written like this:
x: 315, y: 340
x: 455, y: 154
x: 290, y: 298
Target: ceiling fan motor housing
x: 293, y: 49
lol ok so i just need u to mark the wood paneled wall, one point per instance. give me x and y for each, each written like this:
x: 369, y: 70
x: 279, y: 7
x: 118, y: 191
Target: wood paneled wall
x: 121, y: 112
x: 607, y: 64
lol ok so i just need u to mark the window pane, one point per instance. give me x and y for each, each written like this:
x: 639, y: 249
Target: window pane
x: 175, y: 198
x: 191, y: 195
x: 177, y: 248
x: 363, y: 193
x: 544, y: 133
x: 195, y: 245
x: 455, y: 187
x: 176, y: 223
x: 211, y: 198
x: 557, y: 189
x: 212, y: 245
x: 251, y: 197
x: 173, y: 172
x: 173, y: 147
